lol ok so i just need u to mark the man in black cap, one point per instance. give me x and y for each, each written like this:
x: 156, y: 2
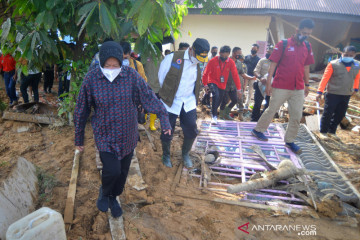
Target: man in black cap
x: 180, y: 81
x: 114, y: 91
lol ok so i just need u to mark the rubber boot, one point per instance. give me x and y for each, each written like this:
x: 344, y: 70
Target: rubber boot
x: 186, y: 147
x: 166, y: 153
x: 222, y: 114
x: 152, y: 122
x: 227, y: 112
x: 145, y: 119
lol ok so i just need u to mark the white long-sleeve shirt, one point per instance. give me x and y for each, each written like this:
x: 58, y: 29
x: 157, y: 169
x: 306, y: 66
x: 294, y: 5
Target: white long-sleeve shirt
x: 185, y: 93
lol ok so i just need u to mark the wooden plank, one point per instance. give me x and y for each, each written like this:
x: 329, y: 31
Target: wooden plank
x: 312, y: 122
x: 251, y: 205
x: 134, y: 178
x: 99, y: 164
x: 117, y: 226
x: 24, y: 117
x: 69, y: 207
x: 177, y: 177
x: 151, y: 139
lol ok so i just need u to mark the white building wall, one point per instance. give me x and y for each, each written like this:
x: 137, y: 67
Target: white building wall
x: 219, y: 30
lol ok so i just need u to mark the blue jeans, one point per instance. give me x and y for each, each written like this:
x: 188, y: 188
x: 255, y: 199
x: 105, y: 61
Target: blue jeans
x: 10, y: 86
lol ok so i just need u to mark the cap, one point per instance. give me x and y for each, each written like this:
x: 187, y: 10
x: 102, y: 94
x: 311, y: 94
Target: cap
x: 201, y: 48
x: 110, y: 49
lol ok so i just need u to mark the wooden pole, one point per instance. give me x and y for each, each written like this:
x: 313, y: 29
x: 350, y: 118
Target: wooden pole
x: 317, y: 39
x: 69, y: 207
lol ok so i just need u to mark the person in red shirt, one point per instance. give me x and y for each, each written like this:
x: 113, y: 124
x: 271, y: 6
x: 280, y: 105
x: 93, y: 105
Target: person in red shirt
x: 7, y: 65
x: 292, y: 74
x: 215, y: 78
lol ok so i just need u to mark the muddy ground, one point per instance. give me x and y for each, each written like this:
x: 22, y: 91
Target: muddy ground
x: 156, y: 213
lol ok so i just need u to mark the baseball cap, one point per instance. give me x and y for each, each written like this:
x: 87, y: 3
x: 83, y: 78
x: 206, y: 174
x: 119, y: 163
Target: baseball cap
x: 201, y: 48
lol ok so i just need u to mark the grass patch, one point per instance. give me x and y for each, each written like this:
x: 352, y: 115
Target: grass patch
x: 4, y: 164
x: 3, y: 106
x: 46, y: 183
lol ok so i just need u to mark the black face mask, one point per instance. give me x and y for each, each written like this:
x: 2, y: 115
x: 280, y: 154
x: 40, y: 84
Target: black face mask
x: 213, y: 54
x: 223, y: 59
x: 237, y: 56
x: 267, y: 55
x: 253, y: 52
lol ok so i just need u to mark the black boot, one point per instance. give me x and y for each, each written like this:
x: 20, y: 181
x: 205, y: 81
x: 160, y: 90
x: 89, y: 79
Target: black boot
x: 115, y: 208
x: 103, y: 201
x: 166, y: 153
x: 186, y: 147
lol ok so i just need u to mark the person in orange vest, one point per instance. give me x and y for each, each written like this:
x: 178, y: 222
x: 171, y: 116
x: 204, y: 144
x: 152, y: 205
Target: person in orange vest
x: 7, y: 65
x: 341, y: 79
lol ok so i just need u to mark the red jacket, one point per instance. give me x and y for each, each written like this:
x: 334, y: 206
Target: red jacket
x: 7, y: 63
x: 216, y: 68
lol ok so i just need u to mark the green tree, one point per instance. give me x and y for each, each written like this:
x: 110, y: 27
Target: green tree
x: 37, y: 26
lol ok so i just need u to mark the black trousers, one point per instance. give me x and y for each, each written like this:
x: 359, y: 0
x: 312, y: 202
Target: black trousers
x: 206, y: 99
x: 218, y: 95
x: 258, y: 98
x: 334, y: 111
x: 232, y: 95
x: 187, y: 123
x: 48, y: 80
x: 114, y: 173
x: 33, y: 81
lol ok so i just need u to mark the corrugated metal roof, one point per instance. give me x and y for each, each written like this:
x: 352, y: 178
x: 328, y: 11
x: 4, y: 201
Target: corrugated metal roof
x: 348, y: 7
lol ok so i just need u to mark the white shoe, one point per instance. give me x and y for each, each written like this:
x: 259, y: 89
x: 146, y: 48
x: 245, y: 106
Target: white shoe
x: 214, y: 120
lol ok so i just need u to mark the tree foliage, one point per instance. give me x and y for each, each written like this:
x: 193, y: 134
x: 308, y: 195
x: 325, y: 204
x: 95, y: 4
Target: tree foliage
x: 41, y: 24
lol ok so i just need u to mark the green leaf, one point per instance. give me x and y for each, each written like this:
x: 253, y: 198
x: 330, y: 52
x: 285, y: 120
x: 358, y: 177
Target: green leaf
x: 145, y: 17
x: 48, y: 21
x: 105, y: 21
x: 6, y: 29
x: 33, y: 42
x: 24, y: 42
x: 86, y: 21
x: 40, y: 18
x: 84, y: 11
x: 135, y: 8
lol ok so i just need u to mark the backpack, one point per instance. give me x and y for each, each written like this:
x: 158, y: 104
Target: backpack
x: 285, y: 43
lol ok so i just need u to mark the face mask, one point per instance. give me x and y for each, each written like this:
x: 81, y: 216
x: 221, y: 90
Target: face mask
x: 110, y: 74
x: 347, y: 59
x: 237, y: 56
x: 267, y: 55
x: 302, y: 38
x: 253, y: 52
x: 213, y: 54
x: 126, y: 62
x: 223, y: 59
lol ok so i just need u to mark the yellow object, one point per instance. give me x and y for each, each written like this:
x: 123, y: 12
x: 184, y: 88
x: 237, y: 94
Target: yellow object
x: 145, y: 119
x: 152, y: 122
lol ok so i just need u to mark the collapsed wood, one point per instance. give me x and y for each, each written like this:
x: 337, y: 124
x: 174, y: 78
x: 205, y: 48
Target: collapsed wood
x: 286, y: 169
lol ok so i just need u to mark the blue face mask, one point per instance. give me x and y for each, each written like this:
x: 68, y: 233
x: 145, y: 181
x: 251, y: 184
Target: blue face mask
x: 347, y: 59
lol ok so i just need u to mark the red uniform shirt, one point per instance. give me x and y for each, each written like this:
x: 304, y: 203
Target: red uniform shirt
x: 7, y: 63
x: 290, y: 72
x: 217, y: 68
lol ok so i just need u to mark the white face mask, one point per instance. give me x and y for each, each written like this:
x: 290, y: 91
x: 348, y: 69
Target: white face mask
x: 110, y: 74
x: 126, y: 62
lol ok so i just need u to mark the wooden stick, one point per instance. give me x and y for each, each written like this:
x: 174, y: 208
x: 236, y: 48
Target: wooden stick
x: 150, y: 139
x: 258, y: 150
x: 69, y: 207
x: 177, y: 177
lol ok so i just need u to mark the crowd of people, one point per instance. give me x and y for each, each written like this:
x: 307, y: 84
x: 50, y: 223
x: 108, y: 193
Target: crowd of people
x: 116, y: 87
